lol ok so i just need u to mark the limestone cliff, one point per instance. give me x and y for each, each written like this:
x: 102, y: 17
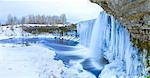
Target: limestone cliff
x: 135, y: 16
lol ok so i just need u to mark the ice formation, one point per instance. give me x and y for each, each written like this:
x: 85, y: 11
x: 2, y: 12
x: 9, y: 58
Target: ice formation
x: 109, y: 41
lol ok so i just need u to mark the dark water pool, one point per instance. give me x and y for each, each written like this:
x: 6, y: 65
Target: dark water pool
x: 59, y: 45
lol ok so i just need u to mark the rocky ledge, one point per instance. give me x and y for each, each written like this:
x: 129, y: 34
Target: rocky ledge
x: 135, y: 16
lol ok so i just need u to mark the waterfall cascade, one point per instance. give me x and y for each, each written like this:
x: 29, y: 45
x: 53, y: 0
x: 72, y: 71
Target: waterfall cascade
x: 109, y: 40
x: 84, y: 30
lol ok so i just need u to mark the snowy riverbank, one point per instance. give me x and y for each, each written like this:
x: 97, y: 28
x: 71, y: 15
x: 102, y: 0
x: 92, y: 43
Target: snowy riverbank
x: 17, y: 32
x: 36, y: 61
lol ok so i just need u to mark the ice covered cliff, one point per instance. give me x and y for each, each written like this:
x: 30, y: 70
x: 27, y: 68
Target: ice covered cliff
x: 109, y: 41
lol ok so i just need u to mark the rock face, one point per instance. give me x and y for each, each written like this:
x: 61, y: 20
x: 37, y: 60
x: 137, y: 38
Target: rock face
x: 135, y: 16
x: 129, y: 12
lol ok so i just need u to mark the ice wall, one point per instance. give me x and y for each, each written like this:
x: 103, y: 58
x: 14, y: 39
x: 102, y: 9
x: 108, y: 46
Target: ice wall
x: 84, y: 29
x: 109, y: 40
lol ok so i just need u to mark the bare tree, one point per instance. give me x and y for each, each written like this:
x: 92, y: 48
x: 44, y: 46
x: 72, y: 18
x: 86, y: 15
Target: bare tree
x: 23, y: 20
x: 63, y: 18
x: 9, y: 19
x: 15, y: 20
x: 37, y: 19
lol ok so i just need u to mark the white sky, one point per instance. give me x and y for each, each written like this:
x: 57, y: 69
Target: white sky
x: 75, y: 10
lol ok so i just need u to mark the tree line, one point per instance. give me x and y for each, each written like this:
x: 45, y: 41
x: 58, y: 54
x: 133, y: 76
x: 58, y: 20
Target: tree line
x: 36, y: 19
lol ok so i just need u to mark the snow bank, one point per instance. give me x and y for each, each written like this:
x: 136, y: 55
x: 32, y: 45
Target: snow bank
x: 36, y: 61
x: 12, y: 31
x: 16, y: 31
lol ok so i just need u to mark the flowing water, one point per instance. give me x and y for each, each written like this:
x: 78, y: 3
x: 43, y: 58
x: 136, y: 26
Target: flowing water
x: 108, y: 53
x: 110, y: 47
x: 66, y: 50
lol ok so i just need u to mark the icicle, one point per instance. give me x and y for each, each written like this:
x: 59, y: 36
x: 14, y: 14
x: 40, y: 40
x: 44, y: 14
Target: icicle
x: 107, y: 39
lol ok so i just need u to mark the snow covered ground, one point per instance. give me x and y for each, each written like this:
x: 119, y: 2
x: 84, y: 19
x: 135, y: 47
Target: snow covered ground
x: 17, y: 32
x: 36, y: 61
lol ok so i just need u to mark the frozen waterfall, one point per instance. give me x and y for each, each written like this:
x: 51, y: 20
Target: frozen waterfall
x: 109, y: 41
x: 84, y: 29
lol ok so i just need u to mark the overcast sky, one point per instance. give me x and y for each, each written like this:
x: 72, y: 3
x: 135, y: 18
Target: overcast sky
x: 75, y: 10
